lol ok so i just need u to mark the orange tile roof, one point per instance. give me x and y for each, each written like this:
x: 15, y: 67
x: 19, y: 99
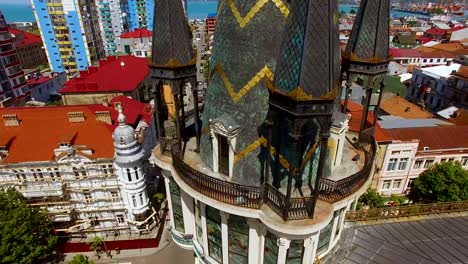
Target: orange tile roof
x: 462, y: 72
x: 42, y: 129
x: 436, y: 138
x: 397, y: 106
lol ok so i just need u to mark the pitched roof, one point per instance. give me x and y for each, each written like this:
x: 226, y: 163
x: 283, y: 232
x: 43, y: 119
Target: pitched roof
x: 405, y: 38
x: 308, y: 65
x: 405, y: 53
x: 370, y: 35
x: 436, y: 31
x: 397, y: 106
x: 121, y: 74
x: 138, y: 33
x: 42, y: 129
x: 436, y: 138
x: 24, y: 38
x: 172, y: 41
x: 444, y: 71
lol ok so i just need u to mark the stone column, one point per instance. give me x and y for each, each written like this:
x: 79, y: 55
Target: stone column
x: 224, y: 236
x: 254, y: 241
x: 335, y: 226
x: 262, y: 231
x: 283, y: 244
x: 310, y: 248
x: 169, y: 202
x: 188, y: 213
x: 205, y: 231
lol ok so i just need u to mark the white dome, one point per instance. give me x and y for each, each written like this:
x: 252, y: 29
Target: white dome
x: 123, y: 134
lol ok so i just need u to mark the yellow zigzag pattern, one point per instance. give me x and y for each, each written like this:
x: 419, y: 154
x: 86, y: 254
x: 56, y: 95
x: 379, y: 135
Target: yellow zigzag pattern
x: 243, y: 21
x: 263, y: 142
x: 236, y: 96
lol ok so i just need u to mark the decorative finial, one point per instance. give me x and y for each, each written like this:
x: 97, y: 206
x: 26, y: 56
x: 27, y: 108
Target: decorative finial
x: 121, y: 118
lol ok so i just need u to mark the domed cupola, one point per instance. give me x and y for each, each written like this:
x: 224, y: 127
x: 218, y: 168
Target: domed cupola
x: 127, y: 148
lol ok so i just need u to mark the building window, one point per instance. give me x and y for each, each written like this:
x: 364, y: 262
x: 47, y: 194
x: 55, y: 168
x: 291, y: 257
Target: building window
x: 324, y: 238
x: 136, y: 172
x: 443, y: 160
x: 386, y: 185
x: 428, y: 163
x: 410, y: 184
x: 83, y: 172
x: 391, y: 164
x: 134, y: 201
x: 464, y: 161
x: 451, y: 159
x: 120, y: 219
x: 396, y: 184
x: 238, y: 239
x: 403, y: 163
x: 87, y: 195
x: 418, y: 164
x: 213, y: 227
x: 129, y: 175
x: 39, y: 173
x: 270, y: 252
x: 141, y: 198
x: 57, y: 172
x: 75, y: 172
x: 296, y: 251
x: 176, y: 206
x: 115, y: 196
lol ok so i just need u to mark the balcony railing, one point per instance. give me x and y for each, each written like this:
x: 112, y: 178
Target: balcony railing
x: 254, y: 197
x: 406, y: 211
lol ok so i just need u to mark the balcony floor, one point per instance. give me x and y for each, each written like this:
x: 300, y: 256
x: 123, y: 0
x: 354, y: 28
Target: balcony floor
x: 348, y: 167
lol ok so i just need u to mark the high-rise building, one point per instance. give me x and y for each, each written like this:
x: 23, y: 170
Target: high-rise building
x: 269, y: 173
x: 111, y: 22
x: 71, y: 33
x: 12, y: 81
x: 140, y: 14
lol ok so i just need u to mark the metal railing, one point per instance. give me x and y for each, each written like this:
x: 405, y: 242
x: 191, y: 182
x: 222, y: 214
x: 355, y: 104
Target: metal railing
x: 254, y: 197
x: 406, y: 211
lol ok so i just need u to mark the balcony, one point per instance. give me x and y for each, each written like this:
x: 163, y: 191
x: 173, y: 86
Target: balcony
x: 191, y: 169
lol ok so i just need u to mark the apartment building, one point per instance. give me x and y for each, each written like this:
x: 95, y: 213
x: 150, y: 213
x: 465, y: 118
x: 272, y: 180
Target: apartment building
x: 112, y: 24
x: 140, y: 14
x: 70, y: 32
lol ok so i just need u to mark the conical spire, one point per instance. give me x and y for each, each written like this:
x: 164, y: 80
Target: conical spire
x: 172, y: 40
x: 308, y: 65
x: 369, y: 38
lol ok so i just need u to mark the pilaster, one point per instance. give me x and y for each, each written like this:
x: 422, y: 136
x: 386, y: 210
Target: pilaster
x: 169, y: 201
x: 310, y: 248
x: 283, y: 244
x: 224, y: 236
x: 187, y: 210
x: 205, y: 231
x: 255, y: 245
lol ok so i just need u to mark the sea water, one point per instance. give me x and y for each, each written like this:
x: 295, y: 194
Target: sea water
x: 196, y: 10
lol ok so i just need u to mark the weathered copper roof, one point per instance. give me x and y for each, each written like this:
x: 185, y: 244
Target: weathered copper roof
x: 369, y: 38
x: 308, y: 65
x: 172, y: 40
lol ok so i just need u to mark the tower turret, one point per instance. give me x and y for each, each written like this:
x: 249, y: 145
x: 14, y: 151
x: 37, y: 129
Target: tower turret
x: 366, y: 57
x: 128, y: 163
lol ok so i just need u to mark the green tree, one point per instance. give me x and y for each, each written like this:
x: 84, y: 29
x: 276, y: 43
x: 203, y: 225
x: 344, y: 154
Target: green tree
x: 80, y: 259
x: 26, y: 233
x: 371, y: 198
x: 96, y: 244
x: 443, y: 182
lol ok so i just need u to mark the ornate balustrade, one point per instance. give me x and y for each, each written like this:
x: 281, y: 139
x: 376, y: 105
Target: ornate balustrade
x: 254, y: 197
x: 406, y: 211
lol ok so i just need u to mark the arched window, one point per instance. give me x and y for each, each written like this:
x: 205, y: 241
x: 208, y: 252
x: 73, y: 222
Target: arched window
x: 75, y: 171
x: 33, y: 173
x: 83, y: 172
x: 129, y: 175
x: 23, y: 176
x: 16, y: 175
x: 136, y: 172
x: 57, y: 173
x: 41, y: 176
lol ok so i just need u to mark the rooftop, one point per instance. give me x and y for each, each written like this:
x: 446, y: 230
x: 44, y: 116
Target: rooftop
x: 138, y: 33
x: 24, y: 38
x: 397, y: 106
x: 115, y: 74
x: 436, y: 138
x: 404, y: 53
x: 42, y: 129
x: 437, y: 240
x: 441, y: 71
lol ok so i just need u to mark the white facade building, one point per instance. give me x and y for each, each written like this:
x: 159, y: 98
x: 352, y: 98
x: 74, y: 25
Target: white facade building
x: 413, y: 150
x: 62, y: 159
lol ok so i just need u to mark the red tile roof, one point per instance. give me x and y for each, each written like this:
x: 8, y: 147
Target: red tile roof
x: 25, y: 38
x: 436, y: 31
x: 138, y: 33
x: 41, y: 80
x: 436, y: 138
x: 115, y: 74
x: 41, y: 129
x: 404, y: 53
